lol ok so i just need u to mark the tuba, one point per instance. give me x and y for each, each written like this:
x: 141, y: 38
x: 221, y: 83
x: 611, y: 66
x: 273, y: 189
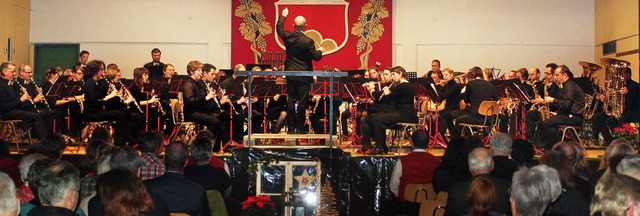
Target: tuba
x: 591, y: 101
x: 614, y: 82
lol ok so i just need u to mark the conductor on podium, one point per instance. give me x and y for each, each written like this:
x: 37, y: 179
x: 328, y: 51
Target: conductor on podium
x: 301, y: 51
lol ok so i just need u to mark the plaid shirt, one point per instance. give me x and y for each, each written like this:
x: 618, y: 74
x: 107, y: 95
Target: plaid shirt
x: 151, y: 166
x: 87, y: 185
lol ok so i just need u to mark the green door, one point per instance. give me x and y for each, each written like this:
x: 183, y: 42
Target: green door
x: 49, y: 55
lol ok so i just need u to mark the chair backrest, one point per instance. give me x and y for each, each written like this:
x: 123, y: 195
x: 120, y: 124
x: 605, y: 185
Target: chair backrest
x: 432, y: 208
x: 419, y: 192
x: 179, y: 214
x: 174, y: 110
x: 442, y: 196
x: 489, y: 108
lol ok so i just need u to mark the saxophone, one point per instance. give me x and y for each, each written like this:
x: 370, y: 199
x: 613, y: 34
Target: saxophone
x: 545, y: 112
x: 591, y: 101
x: 180, y: 108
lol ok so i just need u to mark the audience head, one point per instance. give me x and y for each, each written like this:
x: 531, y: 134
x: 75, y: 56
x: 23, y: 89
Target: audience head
x: 455, y: 158
x: 532, y: 189
x: 151, y: 142
x: 615, y: 161
x: 501, y: 144
x: 35, y: 173
x: 54, y: 145
x: 481, y: 196
x: 480, y: 161
x: 420, y: 139
x: 560, y: 163
x: 59, y: 185
x: 125, y: 158
x: 630, y: 166
x: 9, y: 203
x: 91, y: 156
x: 616, y: 195
x: 522, y: 153
x: 101, y: 133
x: 175, y: 156
x: 201, y: 150
x: 122, y: 193
x: 574, y: 153
x: 25, y: 164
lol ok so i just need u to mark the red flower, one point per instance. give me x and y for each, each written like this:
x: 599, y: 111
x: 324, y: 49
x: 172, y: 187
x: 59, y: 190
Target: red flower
x: 259, y: 201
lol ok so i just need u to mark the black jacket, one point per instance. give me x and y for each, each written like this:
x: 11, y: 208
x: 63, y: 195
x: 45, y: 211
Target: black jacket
x: 301, y: 51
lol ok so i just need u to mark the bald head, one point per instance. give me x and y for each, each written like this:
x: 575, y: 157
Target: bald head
x: 300, y: 23
x: 480, y: 161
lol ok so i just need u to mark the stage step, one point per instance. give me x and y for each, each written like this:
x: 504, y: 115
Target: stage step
x: 262, y: 139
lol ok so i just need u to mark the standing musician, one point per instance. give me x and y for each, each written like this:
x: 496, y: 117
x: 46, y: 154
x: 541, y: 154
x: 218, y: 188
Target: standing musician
x: 631, y: 91
x: 549, y: 86
x: 17, y: 104
x: 570, y: 102
x: 155, y: 67
x: 147, y: 101
x: 402, y: 94
x: 451, y: 95
x: 477, y: 91
x: 196, y: 97
x: 301, y: 51
x: 98, y: 93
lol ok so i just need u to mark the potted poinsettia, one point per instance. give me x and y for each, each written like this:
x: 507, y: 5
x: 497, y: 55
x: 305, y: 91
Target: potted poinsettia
x: 258, y: 205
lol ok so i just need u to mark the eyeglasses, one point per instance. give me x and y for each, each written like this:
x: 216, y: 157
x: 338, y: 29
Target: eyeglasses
x: 27, y: 72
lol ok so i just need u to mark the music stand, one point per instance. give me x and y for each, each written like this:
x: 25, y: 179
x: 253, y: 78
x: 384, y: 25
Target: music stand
x: 236, y: 91
x: 176, y: 83
x: 435, y: 135
x: 355, y: 139
x: 585, y: 84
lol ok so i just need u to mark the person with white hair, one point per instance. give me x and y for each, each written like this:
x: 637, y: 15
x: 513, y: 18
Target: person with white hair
x: 9, y: 203
x: 503, y: 167
x: 616, y: 195
x: 630, y: 166
x: 58, y: 190
x: 532, y: 189
x: 480, y: 165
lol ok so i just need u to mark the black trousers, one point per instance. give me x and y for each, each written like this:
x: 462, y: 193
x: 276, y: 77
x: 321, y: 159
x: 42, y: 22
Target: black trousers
x: 122, y: 128
x: 602, y: 124
x: 297, y: 92
x: 376, y: 125
x: 210, y: 120
x: 531, y: 122
x: 42, y: 122
x: 548, y: 133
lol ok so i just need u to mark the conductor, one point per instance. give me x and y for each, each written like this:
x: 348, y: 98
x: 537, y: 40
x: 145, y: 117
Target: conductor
x: 301, y: 51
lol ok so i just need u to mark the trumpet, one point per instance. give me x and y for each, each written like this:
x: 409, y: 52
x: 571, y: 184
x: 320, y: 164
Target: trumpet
x: 24, y: 91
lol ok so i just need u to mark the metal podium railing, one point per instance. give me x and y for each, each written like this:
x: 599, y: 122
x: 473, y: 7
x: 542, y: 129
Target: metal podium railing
x: 331, y: 75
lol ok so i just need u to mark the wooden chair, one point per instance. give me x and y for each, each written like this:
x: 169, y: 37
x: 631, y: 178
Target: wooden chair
x: 488, y: 109
x: 179, y: 214
x: 399, y: 132
x: 432, y: 208
x: 413, y: 192
x: 12, y: 133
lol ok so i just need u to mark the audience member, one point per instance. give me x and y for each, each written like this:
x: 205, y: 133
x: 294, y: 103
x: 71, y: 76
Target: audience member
x: 576, y: 155
x: 503, y: 166
x: 215, y: 162
x: 24, y: 193
x: 88, y: 182
x: 616, y: 195
x: 101, y: 133
x: 181, y: 194
x: 480, y: 165
x: 573, y: 200
x: 33, y: 177
x: 533, y: 189
x: 122, y: 193
x: 522, y: 153
x: 453, y: 168
x: 416, y: 167
x: 9, y: 165
x: 9, y: 203
x: 102, y: 166
x: 630, y: 166
x: 481, y: 198
x: 151, y: 144
x: 618, y: 146
x: 54, y: 145
x: 125, y: 158
x: 58, y: 190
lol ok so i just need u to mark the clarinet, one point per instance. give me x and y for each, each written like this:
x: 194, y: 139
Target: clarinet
x: 24, y: 91
x: 126, y: 92
x: 215, y: 99
x: 112, y: 87
x: 39, y: 89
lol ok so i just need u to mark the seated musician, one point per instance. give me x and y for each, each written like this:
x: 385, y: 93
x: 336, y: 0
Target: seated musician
x: 319, y: 116
x: 570, y: 102
x: 147, y: 101
x: 477, y: 91
x: 59, y: 102
x: 631, y: 91
x: 15, y: 104
x: 98, y: 93
x: 196, y: 97
x: 516, y: 116
x: 367, y: 106
x: 549, y: 89
x: 402, y: 94
x: 451, y: 97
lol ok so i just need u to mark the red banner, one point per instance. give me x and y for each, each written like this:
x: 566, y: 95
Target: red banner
x: 355, y: 33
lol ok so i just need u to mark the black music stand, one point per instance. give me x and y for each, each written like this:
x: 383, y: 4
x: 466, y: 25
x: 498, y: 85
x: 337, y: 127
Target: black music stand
x: 585, y: 84
x: 175, y: 87
x: 355, y: 139
x: 421, y: 85
x: 236, y: 91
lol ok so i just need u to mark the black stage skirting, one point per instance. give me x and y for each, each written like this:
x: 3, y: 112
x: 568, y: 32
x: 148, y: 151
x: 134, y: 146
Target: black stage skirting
x: 360, y: 184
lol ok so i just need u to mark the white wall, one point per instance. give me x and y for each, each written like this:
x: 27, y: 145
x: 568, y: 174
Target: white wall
x: 503, y: 34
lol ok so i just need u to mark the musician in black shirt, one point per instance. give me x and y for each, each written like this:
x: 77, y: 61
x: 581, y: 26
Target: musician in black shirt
x: 603, y: 123
x: 155, y: 67
x: 196, y: 98
x: 570, y: 102
x: 451, y: 96
x: 97, y: 93
x: 547, y: 88
x: 15, y: 105
x: 402, y: 94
